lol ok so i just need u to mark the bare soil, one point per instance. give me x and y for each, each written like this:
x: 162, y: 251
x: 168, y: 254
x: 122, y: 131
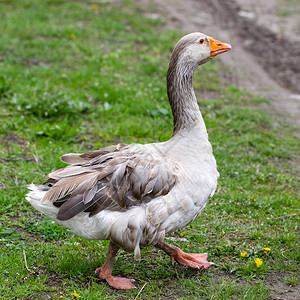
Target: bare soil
x: 265, y: 36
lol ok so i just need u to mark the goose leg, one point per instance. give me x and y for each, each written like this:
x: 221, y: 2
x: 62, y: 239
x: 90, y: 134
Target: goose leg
x: 105, y: 271
x: 191, y: 260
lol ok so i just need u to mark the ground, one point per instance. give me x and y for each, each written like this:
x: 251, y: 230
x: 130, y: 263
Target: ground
x: 79, y: 75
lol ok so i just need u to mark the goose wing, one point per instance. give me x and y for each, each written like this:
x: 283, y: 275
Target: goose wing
x: 113, y: 178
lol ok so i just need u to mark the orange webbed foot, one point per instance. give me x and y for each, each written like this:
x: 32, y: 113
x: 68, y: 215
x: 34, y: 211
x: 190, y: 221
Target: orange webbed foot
x: 195, y: 261
x: 119, y: 283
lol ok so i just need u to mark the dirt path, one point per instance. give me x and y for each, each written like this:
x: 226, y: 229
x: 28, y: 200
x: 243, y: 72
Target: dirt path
x: 265, y: 59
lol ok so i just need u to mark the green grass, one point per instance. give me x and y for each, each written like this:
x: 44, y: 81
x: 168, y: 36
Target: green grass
x: 82, y: 75
x: 287, y: 8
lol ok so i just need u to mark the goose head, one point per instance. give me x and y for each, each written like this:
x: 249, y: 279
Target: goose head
x: 197, y: 48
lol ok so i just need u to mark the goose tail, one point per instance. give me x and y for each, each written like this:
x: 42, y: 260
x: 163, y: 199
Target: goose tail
x: 35, y: 196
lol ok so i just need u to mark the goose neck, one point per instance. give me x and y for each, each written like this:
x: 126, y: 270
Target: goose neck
x: 183, y: 102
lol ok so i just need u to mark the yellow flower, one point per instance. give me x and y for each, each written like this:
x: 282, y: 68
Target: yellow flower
x: 95, y: 6
x: 217, y: 247
x: 74, y: 294
x: 267, y: 249
x: 258, y: 262
x: 72, y: 35
x: 243, y: 254
x: 252, y: 199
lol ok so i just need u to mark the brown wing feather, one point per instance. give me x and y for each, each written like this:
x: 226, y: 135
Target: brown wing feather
x: 113, y: 178
x: 76, y: 158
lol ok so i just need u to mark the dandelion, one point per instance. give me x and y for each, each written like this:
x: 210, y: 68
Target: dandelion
x: 95, y: 6
x: 252, y: 199
x: 74, y: 294
x: 72, y: 35
x: 258, y: 262
x: 267, y: 250
x: 243, y: 254
x: 233, y: 245
x: 218, y: 248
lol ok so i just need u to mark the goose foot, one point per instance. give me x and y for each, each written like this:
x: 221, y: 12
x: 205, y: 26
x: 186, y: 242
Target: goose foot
x: 105, y: 271
x: 196, y: 261
x: 119, y: 283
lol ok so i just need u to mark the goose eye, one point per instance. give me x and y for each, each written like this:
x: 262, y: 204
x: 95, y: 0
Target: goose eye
x: 201, y: 41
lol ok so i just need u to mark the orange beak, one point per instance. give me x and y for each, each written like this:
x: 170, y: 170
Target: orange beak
x: 218, y: 47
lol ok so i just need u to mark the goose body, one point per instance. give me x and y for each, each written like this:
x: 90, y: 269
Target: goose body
x: 134, y: 194
x: 176, y: 207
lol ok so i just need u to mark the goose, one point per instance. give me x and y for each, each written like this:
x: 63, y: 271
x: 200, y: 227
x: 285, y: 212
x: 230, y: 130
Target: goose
x: 133, y: 195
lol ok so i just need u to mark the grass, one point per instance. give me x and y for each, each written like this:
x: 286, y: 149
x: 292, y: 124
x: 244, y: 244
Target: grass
x: 81, y: 75
x: 287, y: 8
